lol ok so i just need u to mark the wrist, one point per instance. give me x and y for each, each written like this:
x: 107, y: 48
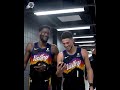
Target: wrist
x: 58, y: 74
x: 90, y: 84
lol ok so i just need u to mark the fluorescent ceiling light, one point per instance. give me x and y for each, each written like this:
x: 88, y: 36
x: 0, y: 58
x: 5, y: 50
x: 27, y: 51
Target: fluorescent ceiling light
x: 84, y: 37
x: 69, y: 18
x: 59, y: 11
x: 89, y: 52
x: 87, y: 45
x: 74, y: 28
x: 85, y: 42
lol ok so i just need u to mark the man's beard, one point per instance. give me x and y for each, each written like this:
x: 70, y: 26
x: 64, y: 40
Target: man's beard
x: 44, y: 41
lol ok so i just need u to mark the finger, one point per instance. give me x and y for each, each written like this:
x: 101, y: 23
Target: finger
x: 37, y: 66
x: 60, y: 64
x: 36, y: 69
x: 64, y: 67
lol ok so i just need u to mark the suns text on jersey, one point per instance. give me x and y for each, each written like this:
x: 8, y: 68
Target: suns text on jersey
x: 41, y: 57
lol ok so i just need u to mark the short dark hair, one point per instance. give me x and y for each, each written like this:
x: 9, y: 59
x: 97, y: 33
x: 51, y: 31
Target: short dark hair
x: 44, y: 26
x: 66, y: 34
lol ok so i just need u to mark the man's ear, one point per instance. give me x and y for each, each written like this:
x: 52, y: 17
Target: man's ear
x: 73, y: 40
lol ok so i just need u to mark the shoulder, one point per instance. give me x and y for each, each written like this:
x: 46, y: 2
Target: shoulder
x: 54, y: 48
x: 29, y: 45
x: 84, y: 52
x: 60, y: 55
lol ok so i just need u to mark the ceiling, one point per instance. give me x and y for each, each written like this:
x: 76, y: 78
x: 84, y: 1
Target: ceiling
x: 88, y: 17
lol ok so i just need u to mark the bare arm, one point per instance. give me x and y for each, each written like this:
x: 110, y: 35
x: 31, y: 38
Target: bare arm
x: 55, y: 51
x: 27, y: 54
x: 59, y: 58
x: 60, y: 66
x: 88, y: 66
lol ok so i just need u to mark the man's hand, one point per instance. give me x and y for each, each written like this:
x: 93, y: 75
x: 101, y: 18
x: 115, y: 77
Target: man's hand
x: 60, y: 69
x: 40, y: 67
